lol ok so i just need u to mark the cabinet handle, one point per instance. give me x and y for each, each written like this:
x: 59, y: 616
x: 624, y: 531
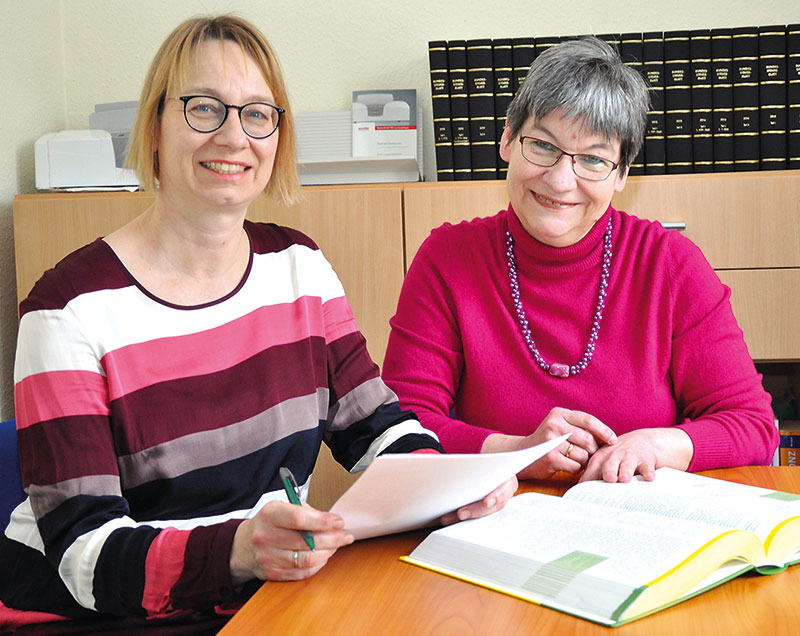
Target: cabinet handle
x: 674, y: 225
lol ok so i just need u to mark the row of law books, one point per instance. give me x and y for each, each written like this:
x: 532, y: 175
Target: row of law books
x: 722, y: 100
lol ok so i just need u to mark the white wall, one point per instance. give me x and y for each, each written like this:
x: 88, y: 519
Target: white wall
x: 34, y: 102
x: 61, y: 57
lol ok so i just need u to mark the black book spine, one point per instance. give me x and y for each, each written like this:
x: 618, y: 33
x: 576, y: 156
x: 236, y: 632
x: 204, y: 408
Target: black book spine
x: 772, y: 96
x: 630, y: 49
x: 722, y: 98
x: 459, y: 109
x: 480, y: 86
x: 702, y: 119
x: 503, y: 92
x: 613, y: 39
x: 745, y: 98
x: 653, y: 64
x: 523, y: 52
x: 542, y: 44
x: 678, y: 101
x: 793, y: 95
x: 440, y: 102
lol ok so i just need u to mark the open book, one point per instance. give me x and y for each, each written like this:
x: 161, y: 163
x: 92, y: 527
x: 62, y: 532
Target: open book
x: 612, y: 553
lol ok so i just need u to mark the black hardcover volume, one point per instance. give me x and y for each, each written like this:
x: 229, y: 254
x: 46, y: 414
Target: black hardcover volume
x: 459, y: 109
x: 745, y: 98
x: 653, y: 64
x: 702, y: 105
x: 523, y: 52
x: 503, y: 93
x: 772, y: 96
x: 793, y: 95
x: 677, y: 101
x: 630, y: 49
x: 722, y: 98
x: 480, y: 89
x: 440, y: 98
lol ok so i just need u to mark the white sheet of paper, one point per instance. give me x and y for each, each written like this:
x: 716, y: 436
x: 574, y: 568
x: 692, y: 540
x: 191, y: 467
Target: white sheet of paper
x: 400, y: 492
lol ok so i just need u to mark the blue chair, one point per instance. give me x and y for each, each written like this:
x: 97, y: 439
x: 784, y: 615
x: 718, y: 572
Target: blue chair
x: 11, y: 493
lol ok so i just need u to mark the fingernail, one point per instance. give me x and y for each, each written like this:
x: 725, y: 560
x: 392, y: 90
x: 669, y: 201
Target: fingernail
x: 463, y: 515
x: 491, y: 501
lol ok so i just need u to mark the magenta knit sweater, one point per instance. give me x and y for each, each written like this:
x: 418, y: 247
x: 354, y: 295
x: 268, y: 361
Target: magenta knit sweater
x: 669, y: 353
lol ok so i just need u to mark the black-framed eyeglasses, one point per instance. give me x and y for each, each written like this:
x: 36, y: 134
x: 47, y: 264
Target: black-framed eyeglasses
x: 543, y: 153
x: 206, y: 114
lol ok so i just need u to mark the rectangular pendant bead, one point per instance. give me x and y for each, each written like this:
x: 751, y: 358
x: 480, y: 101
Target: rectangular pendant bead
x: 559, y: 370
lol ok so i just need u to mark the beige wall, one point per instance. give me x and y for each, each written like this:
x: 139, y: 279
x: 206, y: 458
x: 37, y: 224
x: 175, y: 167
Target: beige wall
x: 61, y: 57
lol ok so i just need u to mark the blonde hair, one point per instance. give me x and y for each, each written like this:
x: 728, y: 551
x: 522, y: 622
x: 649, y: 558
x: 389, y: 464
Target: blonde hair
x: 169, y: 69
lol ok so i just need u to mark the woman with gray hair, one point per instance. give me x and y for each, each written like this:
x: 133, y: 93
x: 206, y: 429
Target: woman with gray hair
x: 563, y: 315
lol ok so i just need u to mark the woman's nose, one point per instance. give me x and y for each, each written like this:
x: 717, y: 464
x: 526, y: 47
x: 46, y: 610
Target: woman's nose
x: 561, y: 175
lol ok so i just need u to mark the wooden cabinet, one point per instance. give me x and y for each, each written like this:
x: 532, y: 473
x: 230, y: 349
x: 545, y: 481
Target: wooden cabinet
x: 747, y: 224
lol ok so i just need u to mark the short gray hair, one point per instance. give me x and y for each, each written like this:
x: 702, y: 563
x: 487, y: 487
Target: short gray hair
x: 586, y: 79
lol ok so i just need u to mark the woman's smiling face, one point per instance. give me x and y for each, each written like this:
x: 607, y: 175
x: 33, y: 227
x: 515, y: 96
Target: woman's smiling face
x: 554, y: 205
x: 224, y: 168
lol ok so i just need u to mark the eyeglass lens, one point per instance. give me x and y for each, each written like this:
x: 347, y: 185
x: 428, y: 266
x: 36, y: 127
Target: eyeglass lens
x: 546, y: 155
x: 206, y: 114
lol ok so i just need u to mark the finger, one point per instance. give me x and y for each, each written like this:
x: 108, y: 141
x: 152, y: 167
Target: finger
x: 647, y: 471
x: 293, y: 517
x: 492, y: 502
x: 285, y: 570
x: 592, y: 472
x: 329, y: 540
x: 590, y: 430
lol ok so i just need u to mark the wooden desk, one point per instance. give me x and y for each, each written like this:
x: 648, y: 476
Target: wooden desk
x: 365, y: 589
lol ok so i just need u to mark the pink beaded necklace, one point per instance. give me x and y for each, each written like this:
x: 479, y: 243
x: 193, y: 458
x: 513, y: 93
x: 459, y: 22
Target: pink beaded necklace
x: 559, y: 369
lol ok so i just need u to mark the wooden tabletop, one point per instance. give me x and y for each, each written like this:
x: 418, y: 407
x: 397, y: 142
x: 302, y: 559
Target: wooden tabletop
x: 365, y: 589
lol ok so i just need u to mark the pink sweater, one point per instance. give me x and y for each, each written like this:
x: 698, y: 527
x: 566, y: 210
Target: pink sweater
x: 669, y: 353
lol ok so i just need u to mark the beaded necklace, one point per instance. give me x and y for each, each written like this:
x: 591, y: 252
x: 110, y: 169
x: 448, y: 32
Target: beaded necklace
x: 558, y: 369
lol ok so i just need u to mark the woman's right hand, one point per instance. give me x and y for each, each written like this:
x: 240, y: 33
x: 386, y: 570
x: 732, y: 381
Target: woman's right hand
x: 264, y: 546
x: 586, y: 435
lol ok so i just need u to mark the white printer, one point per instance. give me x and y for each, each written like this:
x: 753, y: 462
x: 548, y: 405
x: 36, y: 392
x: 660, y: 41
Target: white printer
x: 79, y: 159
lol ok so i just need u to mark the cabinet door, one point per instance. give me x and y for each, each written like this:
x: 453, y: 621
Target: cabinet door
x: 47, y: 227
x: 739, y: 220
x: 765, y: 304
x: 427, y: 206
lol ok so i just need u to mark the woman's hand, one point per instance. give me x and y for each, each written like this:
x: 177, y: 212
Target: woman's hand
x: 264, y: 547
x: 640, y: 452
x: 492, y: 502
x: 587, y: 434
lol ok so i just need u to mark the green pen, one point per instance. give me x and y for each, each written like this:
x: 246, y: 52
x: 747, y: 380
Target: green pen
x: 293, y: 493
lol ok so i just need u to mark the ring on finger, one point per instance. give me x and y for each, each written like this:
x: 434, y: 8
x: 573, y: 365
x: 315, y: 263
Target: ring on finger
x: 295, y: 557
x: 569, y: 450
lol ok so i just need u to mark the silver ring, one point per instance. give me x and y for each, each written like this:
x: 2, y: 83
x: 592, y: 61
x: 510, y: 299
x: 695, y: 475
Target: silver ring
x: 569, y: 450
x: 295, y: 557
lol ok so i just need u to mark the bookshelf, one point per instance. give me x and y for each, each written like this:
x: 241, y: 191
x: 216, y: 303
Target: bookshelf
x: 722, y: 99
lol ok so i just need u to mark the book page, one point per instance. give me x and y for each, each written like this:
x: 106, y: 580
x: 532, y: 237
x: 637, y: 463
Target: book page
x: 681, y: 495
x: 568, y: 555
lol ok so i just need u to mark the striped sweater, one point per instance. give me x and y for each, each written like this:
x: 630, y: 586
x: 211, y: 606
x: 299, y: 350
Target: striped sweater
x: 147, y: 431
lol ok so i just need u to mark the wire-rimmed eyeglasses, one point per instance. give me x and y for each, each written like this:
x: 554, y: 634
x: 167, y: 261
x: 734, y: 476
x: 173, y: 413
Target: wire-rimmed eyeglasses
x: 543, y: 153
x: 206, y: 114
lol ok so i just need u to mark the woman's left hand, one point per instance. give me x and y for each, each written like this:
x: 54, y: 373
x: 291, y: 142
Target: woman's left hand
x: 640, y: 452
x: 492, y: 502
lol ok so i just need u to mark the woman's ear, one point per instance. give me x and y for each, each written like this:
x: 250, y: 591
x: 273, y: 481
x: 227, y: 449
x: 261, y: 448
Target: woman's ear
x: 622, y: 179
x: 505, y: 143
